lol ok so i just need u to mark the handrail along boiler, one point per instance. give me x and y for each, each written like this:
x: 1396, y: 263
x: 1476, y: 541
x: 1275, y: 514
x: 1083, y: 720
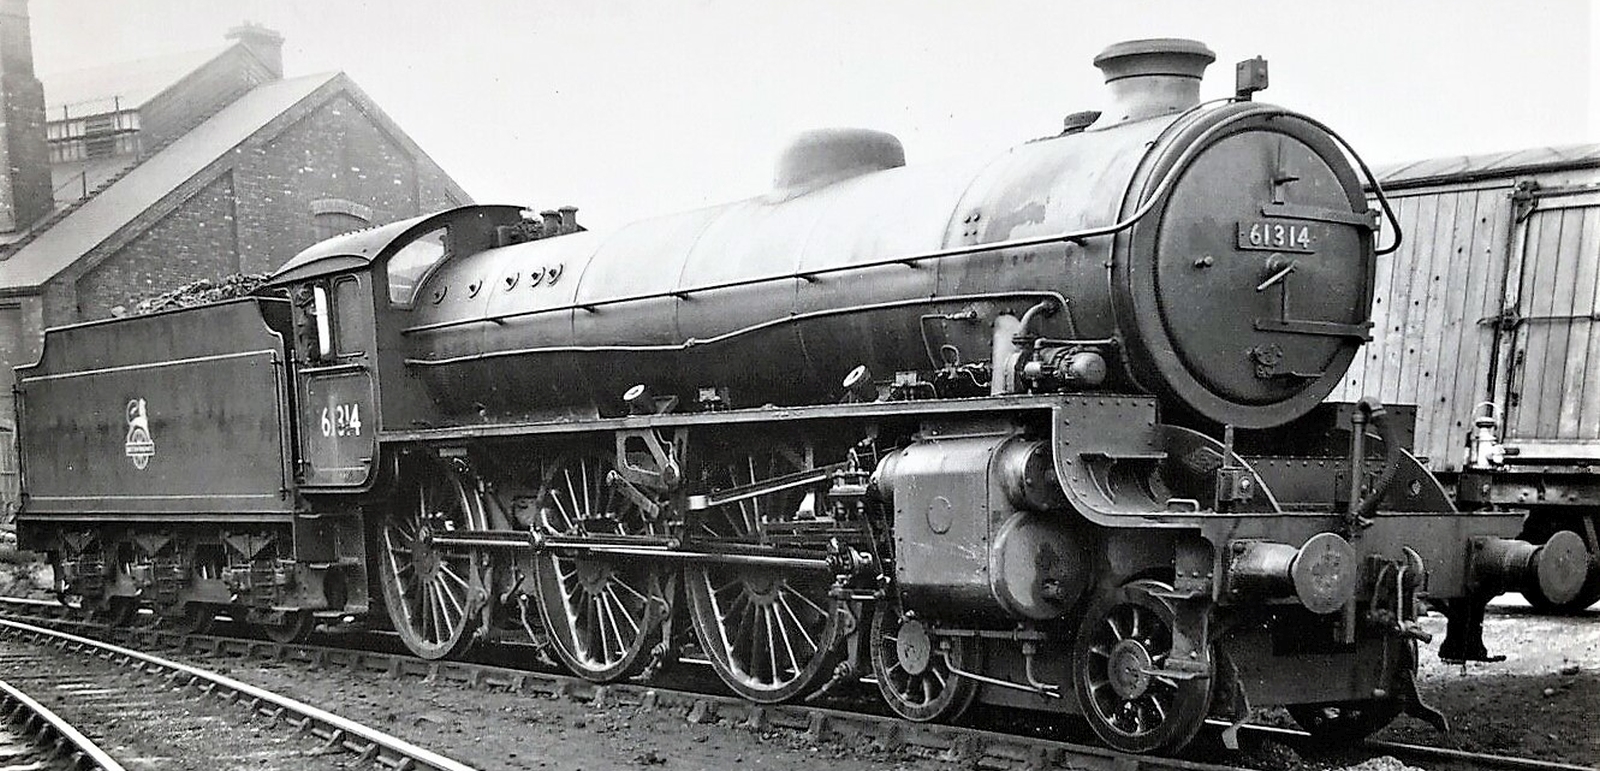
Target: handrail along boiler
x: 1040, y: 430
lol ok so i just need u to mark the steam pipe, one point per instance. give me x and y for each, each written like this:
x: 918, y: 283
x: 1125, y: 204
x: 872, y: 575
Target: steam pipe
x: 1373, y: 411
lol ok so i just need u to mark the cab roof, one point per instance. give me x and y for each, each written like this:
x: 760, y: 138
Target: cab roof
x: 360, y: 248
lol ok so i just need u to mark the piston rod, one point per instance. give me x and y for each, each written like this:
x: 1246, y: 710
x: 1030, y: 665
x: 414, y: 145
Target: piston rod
x: 659, y: 548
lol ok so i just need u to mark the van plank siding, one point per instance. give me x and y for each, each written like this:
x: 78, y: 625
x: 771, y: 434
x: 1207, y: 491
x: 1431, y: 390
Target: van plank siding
x: 1485, y: 255
x: 1431, y: 344
x: 1541, y: 270
x: 1398, y: 333
x: 1569, y: 401
x: 1422, y: 375
x: 1447, y: 296
x: 1464, y: 259
x: 1587, y: 377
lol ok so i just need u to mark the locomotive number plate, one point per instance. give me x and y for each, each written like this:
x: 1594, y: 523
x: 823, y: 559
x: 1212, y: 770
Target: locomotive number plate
x: 1268, y: 236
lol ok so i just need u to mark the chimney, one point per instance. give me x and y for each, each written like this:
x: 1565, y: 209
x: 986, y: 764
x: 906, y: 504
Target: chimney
x: 25, y: 194
x: 569, y: 220
x: 266, y: 44
x: 1154, y: 77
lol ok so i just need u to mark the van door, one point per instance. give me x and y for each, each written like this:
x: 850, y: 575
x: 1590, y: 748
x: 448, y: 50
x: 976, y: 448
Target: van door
x: 334, y: 352
x: 1552, y: 383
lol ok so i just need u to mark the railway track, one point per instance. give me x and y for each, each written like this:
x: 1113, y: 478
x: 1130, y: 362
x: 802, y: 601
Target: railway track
x: 171, y: 715
x: 33, y: 736
x: 962, y: 745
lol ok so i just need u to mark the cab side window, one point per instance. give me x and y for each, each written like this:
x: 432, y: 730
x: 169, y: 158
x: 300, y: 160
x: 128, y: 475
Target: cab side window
x: 351, y: 325
x: 410, y: 266
x: 332, y: 319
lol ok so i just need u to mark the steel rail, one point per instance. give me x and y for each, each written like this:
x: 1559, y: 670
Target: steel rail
x: 366, y: 742
x: 1476, y: 759
x: 968, y: 747
x: 1405, y: 751
x: 39, y: 721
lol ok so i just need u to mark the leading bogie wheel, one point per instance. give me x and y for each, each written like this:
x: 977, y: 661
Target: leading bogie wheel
x: 1122, y: 645
x: 912, y: 666
x: 432, y: 594
x: 603, y: 614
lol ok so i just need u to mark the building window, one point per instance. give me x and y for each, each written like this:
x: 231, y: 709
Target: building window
x: 330, y: 225
x: 335, y: 216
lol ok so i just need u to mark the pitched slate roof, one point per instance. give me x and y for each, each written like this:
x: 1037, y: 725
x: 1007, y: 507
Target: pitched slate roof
x: 102, y: 216
x: 127, y: 85
x: 1464, y: 168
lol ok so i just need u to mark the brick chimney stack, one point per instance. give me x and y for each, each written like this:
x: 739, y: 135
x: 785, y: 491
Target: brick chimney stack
x: 25, y: 194
x: 265, y: 43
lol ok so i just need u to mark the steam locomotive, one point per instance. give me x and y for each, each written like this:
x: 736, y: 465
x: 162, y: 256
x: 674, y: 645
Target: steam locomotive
x: 1041, y: 430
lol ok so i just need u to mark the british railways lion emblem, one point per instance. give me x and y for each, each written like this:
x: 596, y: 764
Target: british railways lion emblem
x: 140, y: 446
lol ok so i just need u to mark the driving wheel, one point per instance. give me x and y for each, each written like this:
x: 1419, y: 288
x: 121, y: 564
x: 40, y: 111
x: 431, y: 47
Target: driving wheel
x: 432, y: 594
x: 603, y: 614
x: 771, y: 633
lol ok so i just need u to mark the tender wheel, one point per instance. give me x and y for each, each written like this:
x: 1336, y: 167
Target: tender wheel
x: 295, y: 627
x: 194, y: 618
x: 431, y: 594
x: 912, y: 667
x: 1345, y: 722
x: 119, y: 611
x: 603, y: 615
x: 1125, y: 635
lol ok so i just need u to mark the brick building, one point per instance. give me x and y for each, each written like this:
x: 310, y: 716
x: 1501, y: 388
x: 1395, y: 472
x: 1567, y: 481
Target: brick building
x: 124, y: 181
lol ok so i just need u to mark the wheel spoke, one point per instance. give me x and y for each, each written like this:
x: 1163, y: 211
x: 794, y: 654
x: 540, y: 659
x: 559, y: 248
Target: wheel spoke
x: 446, y: 570
x: 597, y: 617
x: 619, y: 608
x: 807, y: 600
x: 1116, y: 632
x: 617, y: 582
x: 426, y: 623
x: 798, y: 624
x: 459, y: 603
x: 580, y: 506
x: 589, y: 496
x: 1155, y: 706
x: 441, y: 622
x: 788, y: 646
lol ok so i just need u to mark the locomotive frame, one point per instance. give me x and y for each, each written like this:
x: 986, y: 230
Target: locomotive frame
x: 488, y: 424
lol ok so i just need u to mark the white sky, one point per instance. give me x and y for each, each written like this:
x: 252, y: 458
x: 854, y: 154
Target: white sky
x: 627, y: 109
